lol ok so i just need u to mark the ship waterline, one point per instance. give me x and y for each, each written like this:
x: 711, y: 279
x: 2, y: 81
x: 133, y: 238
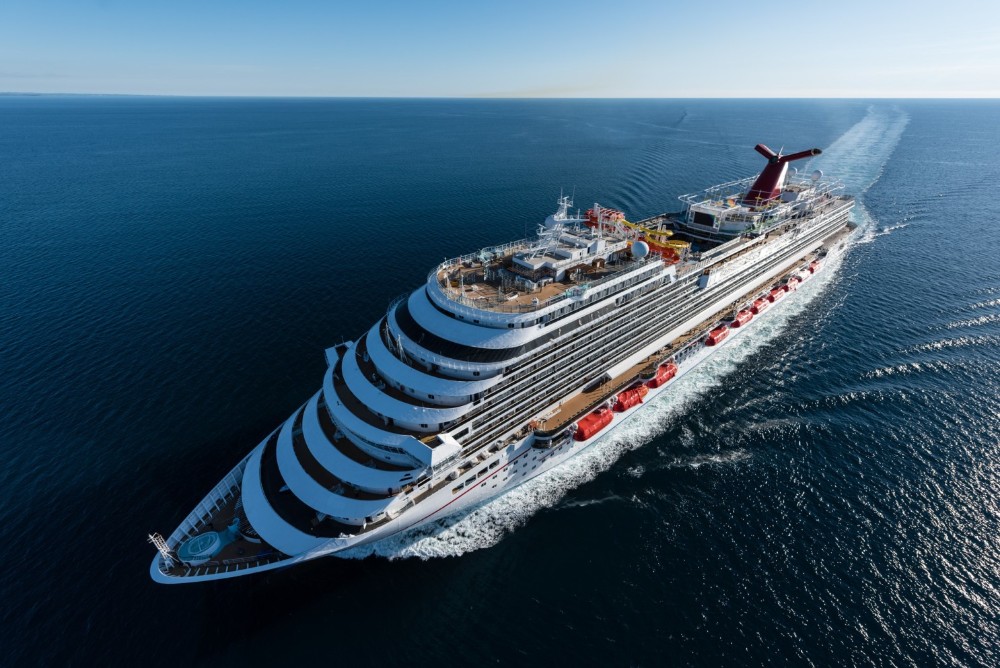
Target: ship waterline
x: 507, y: 362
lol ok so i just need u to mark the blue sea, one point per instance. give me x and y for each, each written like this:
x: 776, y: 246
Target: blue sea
x: 171, y: 270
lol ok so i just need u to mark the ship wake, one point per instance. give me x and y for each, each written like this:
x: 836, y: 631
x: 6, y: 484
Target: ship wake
x: 858, y: 157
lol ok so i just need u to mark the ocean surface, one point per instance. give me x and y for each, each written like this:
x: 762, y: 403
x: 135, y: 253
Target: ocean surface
x: 171, y: 270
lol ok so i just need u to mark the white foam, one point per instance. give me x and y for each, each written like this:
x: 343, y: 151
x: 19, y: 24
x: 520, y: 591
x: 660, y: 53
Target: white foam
x: 974, y: 322
x: 907, y: 369
x: 960, y: 342
x: 858, y: 157
x: 986, y: 304
x: 697, y: 461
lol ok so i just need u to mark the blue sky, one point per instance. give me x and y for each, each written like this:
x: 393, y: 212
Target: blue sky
x: 850, y: 48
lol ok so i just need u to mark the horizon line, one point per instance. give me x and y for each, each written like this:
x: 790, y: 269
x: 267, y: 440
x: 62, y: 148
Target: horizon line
x: 483, y: 97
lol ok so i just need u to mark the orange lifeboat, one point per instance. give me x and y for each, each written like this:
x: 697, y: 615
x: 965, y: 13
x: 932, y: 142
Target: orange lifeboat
x: 717, y: 336
x: 663, y: 373
x: 592, y: 423
x: 760, y: 305
x: 815, y: 266
x: 630, y: 398
x: 776, y: 294
x: 742, y: 318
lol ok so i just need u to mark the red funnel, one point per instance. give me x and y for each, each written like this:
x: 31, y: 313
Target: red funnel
x: 768, y: 185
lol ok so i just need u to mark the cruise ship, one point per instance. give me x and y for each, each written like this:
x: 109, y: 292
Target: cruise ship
x: 505, y: 363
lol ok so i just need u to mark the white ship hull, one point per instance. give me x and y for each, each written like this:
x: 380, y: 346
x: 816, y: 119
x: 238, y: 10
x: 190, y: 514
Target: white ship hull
x: 522, y: 461
x: 506, y: 363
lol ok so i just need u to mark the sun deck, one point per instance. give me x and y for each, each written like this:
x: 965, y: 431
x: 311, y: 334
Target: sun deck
x: 490, y: 295
x: 530, y: 274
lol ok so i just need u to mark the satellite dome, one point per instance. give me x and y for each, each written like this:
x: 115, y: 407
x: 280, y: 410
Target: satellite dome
x: 817, y: 175
x: 550, y: 222
x: 640, y: 249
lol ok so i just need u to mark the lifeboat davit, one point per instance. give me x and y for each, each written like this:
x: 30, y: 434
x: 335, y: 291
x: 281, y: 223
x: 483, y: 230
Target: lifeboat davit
x: 717, y: 335
x: 815, y: 266
x: 776, y: 294
x: 592, y: 423
x: 793, y: 283
x: 663, y: 373
x: 760, y: 305
x: 742, y: 318
x: 630, y: 398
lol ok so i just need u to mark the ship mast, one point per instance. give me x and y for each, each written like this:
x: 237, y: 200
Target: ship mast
x: 161, y: 546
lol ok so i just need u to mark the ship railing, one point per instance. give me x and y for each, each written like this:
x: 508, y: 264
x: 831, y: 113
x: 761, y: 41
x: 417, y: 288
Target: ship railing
x: 264, y: 557
x: 208, y: 507
x: 232, y: 565
x: 814, y: 191
x: 499, y: 305
x: 721, y: 191
x: 396, y: 301
x: 390, y: 342
x: 488, y: 252
x: 655, y: 220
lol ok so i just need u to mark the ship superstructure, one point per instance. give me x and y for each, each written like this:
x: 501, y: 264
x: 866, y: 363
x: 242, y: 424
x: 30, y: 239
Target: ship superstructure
x: 505, y: 363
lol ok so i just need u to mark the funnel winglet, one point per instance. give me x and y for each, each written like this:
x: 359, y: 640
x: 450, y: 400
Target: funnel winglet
x: 771, y: 180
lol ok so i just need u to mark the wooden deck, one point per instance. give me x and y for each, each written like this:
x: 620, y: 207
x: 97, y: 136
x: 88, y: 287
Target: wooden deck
x: 471, y: 284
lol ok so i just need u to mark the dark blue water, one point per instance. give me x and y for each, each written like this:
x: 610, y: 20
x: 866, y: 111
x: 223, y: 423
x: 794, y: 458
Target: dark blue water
x: 171, y: 270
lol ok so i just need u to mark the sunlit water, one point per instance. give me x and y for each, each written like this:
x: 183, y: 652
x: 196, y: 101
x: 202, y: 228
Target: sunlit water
x: 825, y: 492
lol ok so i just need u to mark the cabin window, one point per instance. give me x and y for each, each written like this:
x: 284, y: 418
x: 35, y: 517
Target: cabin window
x: 456, y: 490
x: 430, y: 396
x: 494, y: 464
x: 424, y: 426
x: 471, y: 481
x: 475, y: 373
x: 481, y: 473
